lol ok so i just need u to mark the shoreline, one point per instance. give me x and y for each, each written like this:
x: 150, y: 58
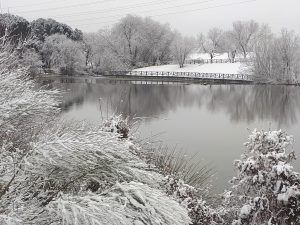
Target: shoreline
x: 153, y: 80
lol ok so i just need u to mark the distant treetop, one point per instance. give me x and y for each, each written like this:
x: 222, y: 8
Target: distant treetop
x: 42, y: 28
x: 13, y: 26
x: 16, y: 28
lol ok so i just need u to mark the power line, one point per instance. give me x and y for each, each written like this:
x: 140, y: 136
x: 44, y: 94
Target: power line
x: 115, y: 9
x: 217, y: 6
x: 36, y: 4
x: 64, y: 7
x: 166, y: 8
x: 173, y: 13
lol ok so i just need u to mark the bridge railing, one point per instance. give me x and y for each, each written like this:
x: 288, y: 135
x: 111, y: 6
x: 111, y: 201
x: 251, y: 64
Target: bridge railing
x: 208, y: 61
x: 186, y: 75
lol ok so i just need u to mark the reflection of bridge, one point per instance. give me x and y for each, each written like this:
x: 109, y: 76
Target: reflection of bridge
x: 181, y: 76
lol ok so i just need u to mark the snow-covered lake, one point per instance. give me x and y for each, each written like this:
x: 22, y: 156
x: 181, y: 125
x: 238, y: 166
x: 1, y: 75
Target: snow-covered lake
x: 213, y: 121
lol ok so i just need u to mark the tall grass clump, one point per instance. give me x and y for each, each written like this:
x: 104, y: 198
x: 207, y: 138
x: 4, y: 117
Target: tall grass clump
x: 56, y: 172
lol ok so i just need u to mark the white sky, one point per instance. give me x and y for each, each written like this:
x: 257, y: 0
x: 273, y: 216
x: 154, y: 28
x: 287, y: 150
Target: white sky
x: 188, y: 16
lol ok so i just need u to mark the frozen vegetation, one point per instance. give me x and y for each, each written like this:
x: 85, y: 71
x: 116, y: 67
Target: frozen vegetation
x: 266, y: 189
x: 61, y: 173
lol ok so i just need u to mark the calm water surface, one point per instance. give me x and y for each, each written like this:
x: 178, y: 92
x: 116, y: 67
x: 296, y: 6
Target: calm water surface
x: 213, y: 121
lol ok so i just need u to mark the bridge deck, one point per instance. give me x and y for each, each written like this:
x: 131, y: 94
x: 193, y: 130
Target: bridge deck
x: 180, y: 75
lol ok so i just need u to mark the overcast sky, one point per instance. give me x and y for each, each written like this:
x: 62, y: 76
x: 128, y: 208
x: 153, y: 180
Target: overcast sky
x: 188, y: 16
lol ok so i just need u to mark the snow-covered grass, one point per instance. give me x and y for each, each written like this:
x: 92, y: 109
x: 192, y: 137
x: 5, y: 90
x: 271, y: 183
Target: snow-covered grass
x: 53, y: 172
x: 224, y: 68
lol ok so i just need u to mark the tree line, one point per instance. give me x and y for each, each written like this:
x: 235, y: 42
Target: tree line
x: 136, y: 42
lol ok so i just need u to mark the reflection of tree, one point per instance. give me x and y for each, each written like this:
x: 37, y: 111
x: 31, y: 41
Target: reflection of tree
x: 248, y: 103
x: 233, y: 99
x: 149, y: 101
x: 279, y: 104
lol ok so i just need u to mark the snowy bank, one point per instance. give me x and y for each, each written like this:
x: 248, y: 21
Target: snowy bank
x: 224, y: 68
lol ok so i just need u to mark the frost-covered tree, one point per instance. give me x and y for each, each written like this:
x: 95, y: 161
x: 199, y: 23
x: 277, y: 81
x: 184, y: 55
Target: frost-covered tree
x: 287, y: 47
x: 244, y: 34
x: 43, y: 28
x: 266, y: 189
x: 202, y: 43
x: 214, y: 42
x: 13, y: 28
x: 215, y: 36
x: 127, y: 34
x: 276, y: 57
x: 157, y: 39
x: 63, y: 53
x: 102, y: 52
x: 138, y: 42
x: 229, y: 46
x: 181, y: 48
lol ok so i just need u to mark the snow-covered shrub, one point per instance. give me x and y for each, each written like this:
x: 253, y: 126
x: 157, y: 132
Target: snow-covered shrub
x: 199, y: 211
x: 117, y: 124
x: 266, y: 189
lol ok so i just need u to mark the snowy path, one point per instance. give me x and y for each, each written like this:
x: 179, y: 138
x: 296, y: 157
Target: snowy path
x: 222, y: 68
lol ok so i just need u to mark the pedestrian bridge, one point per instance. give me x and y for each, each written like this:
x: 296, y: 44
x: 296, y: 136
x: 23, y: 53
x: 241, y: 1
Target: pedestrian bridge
x: 178, y: 76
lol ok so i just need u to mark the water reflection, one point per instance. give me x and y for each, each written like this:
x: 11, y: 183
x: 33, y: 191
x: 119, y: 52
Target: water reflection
x: 209, y: 120
x: 279, y: 104
x: 242, y: 103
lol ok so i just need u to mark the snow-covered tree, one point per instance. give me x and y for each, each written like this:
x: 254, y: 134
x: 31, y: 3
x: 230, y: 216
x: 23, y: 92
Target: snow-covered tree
x: 43, y: 28
x: 202, y: 43
x: 287, y: 47
x: 276, y: 57
x: 63, y: 53
x: 139, y: 42
x: 266, y: 189
x: 181, y: 48
x: 103, y: 53
x: 13, y: 28
x: 228, y: 46
x: 127, y: 34
x: 215, y: 36
x: 244, y: 34
x: 157, y: 39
